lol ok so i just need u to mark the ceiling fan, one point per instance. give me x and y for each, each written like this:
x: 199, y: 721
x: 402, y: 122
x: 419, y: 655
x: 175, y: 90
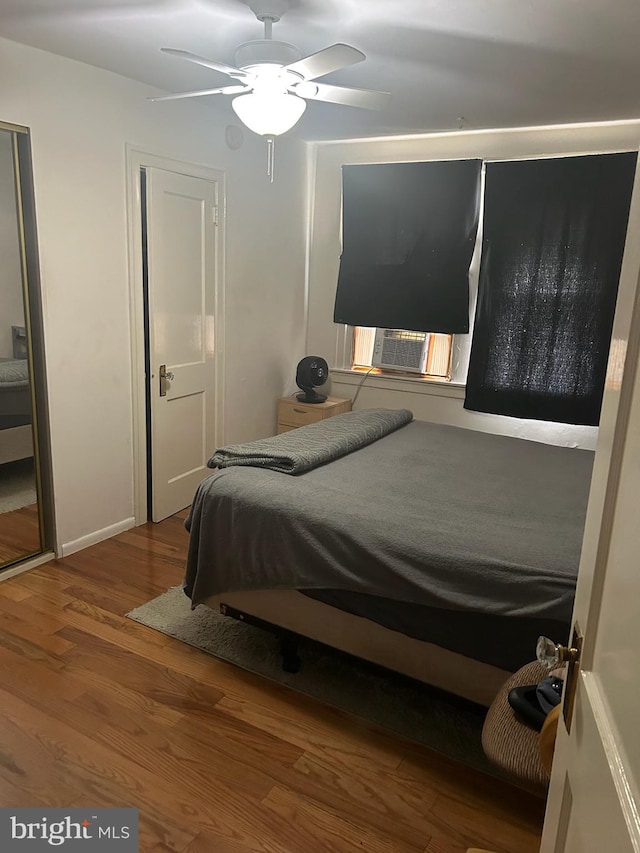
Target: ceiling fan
x: 273, y: 82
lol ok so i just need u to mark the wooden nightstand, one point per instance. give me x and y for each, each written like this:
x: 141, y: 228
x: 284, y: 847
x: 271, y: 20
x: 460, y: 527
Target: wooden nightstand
x: 292, y: 414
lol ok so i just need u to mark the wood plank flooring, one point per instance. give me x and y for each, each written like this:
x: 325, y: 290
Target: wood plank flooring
x: 19, y: 534
x: 97, y: 710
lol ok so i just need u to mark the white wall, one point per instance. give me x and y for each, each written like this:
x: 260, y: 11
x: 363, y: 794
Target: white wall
x: 11, y: 301
x: 439, y: 404
x: 80, y: 119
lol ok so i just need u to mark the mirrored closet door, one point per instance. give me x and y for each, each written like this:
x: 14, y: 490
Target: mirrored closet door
x: 25, y: 517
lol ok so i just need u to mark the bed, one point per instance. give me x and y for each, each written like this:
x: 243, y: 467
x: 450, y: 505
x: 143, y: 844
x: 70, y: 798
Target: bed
x: 16, y: 441
x: 436, y: 551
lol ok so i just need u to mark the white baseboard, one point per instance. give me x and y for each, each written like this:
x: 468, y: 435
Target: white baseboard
x: 97, y: 536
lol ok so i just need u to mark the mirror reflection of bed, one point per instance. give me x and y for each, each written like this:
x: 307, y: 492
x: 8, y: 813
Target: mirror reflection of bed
x: 19, y: 523
x: 19, y: 517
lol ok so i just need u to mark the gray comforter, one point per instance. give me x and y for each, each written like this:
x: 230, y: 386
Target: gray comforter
x: 301, y: 450
x: 429, y: 514
x: 14, y: 373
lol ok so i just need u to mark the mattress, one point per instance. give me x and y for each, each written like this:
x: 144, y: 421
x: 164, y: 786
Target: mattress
x: 15, y: 393
x: 430, y: 515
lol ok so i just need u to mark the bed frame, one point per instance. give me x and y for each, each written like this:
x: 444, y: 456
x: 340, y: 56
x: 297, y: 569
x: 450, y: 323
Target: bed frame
x: 291, y: 615
x: 16, y: 443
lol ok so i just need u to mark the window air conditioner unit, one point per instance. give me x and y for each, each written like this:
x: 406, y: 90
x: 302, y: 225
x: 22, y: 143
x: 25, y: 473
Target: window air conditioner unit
x: 400, y: 350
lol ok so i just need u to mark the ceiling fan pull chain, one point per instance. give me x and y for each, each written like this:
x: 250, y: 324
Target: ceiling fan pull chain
x: 271, y: 156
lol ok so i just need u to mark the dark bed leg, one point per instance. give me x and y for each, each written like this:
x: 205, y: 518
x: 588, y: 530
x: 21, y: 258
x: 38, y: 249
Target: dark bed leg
x: 289, y: 652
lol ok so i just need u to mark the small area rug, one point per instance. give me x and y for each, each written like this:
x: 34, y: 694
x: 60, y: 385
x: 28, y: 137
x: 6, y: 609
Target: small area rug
x: 413, y: 710
x: 17, y: 485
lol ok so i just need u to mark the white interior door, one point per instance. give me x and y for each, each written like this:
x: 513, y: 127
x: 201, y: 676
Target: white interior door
x: 183, y: 243
x: 594, y: 798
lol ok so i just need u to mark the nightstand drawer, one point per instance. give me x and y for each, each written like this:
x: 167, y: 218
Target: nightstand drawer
x: 295, y: 416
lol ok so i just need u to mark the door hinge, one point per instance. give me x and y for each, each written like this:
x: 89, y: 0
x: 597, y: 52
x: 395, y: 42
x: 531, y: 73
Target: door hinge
x: 215, y: 215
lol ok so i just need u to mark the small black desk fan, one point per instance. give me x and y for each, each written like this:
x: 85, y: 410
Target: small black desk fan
x: 311, y: 371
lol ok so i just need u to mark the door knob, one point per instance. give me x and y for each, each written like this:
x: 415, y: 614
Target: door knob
x: 551, y: 654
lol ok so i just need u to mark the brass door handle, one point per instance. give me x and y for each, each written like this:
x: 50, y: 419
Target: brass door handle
x: 164, y: 375
x: 551, y: 655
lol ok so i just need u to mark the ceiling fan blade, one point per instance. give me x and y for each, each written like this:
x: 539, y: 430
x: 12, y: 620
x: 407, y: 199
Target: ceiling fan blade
x: 325, y: 61
x: 364, y: 98
x: 230, y: 70
x: 225, y: 90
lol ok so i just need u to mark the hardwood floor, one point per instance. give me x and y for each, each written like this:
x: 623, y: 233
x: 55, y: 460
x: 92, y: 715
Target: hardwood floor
x: 19, y: 534
x: 98, y: 710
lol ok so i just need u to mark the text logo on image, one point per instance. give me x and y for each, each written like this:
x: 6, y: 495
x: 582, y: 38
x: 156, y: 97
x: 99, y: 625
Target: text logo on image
x: 31, y: 830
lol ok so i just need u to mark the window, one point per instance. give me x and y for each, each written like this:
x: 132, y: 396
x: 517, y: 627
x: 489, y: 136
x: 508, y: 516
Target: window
x: 439, y: 350
x: 411, y: 237
x: 548, y: 260
x: 554, y: 237
x: 408, y: 237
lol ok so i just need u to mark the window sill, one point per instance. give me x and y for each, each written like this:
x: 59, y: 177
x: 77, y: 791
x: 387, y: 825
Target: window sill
x: 404, y: 384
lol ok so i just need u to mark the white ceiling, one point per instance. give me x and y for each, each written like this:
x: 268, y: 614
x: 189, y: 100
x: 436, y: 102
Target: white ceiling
x: 496, y: 63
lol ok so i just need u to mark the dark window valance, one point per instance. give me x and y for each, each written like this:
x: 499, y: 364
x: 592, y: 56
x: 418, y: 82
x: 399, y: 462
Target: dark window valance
x: 553, y: 240
x: 409, y: 231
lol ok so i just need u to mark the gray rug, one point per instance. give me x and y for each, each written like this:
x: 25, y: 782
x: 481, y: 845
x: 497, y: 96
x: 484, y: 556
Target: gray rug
x: 17, y: 485
x: 413, y: 710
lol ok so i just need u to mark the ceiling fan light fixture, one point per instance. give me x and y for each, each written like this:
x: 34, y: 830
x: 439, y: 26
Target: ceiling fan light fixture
x: 306, y: 89
x: 269, y: 114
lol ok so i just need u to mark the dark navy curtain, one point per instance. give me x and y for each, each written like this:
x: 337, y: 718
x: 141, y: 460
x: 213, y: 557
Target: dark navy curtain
x: 409, y: 231
x: 553, y: 239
